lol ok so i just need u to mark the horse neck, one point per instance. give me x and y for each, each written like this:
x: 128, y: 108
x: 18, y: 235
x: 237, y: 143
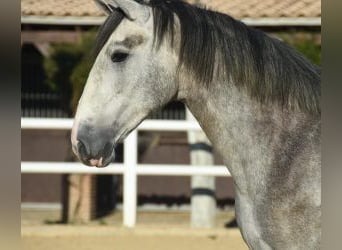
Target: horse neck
x: 245, y: 133
x: 224, y: 114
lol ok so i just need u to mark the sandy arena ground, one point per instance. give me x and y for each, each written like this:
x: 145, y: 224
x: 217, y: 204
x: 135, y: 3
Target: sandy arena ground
x: 154, y: 231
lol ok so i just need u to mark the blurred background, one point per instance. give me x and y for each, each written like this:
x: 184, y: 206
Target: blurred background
x: 56, y: 43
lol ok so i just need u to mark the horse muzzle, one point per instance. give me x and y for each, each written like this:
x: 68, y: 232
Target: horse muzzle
x: 93, y: 146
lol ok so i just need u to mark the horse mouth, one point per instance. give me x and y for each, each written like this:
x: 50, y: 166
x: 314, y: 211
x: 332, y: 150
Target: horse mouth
x: 99, y: 161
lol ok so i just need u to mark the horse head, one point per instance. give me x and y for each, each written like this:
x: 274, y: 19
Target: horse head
x: 130, y: 78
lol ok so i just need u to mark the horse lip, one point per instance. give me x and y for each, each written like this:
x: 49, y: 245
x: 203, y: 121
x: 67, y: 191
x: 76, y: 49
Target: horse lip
x: 100, y: 162
x: 104, y: 162
x: 96, y: 163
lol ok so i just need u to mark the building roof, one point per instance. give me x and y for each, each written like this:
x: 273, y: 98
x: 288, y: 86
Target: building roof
x: 240, y: 9
x: 76, y: 8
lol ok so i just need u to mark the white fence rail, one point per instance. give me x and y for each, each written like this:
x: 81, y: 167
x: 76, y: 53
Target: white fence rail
x: 130, y: 167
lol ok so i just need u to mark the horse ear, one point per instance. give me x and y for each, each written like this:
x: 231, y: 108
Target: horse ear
x: 105, y: 6
x: 132, y: 9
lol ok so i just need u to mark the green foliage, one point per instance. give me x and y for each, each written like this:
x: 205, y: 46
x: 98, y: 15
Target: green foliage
x: 67, y: 69
x: 81, y: 71
x: 308, y: 43
x: 310, y: 50
x: 78, y: 79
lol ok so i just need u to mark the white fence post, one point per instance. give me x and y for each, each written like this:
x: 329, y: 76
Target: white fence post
x: 130, y: 179
x: 203, y: 202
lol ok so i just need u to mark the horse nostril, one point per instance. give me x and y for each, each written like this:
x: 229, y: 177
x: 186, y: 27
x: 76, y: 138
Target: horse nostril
x: 82, y: 150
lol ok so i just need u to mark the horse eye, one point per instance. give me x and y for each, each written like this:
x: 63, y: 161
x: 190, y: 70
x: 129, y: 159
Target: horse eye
x: 119, y: 56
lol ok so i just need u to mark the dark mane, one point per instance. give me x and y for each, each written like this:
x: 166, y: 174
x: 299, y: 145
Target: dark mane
x: 268, y: 69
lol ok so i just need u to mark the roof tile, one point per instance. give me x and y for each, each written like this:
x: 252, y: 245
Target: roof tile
x: 236, y: 8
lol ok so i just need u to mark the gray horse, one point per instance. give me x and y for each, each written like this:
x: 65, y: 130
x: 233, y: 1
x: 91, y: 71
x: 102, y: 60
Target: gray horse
x: 257, y: 100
